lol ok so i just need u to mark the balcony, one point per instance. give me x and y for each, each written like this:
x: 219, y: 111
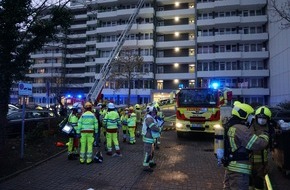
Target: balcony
x: 235, y: 20
x: 172, y: 76
x: 234, y: 38
x: 47, y: 65
x: 124, y: 91
x: 76, y: 46
x: 74, y: 65
x: 46, y: 55
x: 181, y: 44
x: 74, y: 75
x: 182, y: 13
x: 78, y: 26
x: 227, y: 5
x: 190, y: 59
x: 43, y: 75
x: 234, y: 73
x: 172, y: 28
x: 234, y: 55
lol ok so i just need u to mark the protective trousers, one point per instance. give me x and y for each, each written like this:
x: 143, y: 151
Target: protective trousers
x: 124, y: 129
x: 72, y: 145
x: 138, y: 129
x: 86, y: 151
x: 148, y: 154
x: 257, y: 179
x: 112, y: 137
x: 132, y: 138
x: 236, y: 181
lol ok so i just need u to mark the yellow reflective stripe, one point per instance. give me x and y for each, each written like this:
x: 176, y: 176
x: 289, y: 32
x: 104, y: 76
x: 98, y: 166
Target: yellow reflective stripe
x: 231, y: 134
x: 239, y: 167
x: 266, y: 137
x: 151, y: 125
x: 251, y: 142
x: 257, y: 158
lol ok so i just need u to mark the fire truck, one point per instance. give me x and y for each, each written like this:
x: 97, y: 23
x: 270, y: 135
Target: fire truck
x: 201, y: 109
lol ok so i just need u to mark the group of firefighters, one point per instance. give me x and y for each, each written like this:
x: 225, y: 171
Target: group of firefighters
x: 90, y: 121
x: 247, y: 133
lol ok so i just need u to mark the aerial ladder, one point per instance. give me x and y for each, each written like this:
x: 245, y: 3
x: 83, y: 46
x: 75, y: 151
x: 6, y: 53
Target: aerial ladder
x: 105, y: 71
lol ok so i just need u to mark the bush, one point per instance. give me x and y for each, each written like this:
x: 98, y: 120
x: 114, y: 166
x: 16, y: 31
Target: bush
x: 284, y: 105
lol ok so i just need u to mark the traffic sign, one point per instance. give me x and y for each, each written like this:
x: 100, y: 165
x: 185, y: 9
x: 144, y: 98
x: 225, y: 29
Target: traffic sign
x: 24, y: 89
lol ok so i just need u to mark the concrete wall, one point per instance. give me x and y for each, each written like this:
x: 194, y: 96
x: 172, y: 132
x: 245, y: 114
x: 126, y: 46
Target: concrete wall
x: 279, y: 61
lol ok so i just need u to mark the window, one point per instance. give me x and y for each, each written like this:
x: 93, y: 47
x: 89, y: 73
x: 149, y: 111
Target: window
x: 160, y: 69
x: 222, y: 66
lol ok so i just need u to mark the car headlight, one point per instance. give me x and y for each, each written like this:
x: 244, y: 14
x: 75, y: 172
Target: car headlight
x: 178, y: 125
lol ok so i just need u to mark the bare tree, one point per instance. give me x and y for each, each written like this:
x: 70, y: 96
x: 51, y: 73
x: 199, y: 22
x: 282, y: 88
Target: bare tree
x: 26, y: 26
x: 126, y: 68
x: 279, y: 11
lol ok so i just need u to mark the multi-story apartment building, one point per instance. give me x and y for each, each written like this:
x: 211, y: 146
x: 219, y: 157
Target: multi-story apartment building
x: 232, y: 47
x: 184, y: 44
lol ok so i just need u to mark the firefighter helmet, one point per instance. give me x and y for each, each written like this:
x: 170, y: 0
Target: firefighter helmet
x: 242, y: 110
x: 263, y: 115
x: 88, y: 105
x: 150, y: 109
x: 263, y: 111
x: 137, y: 106
x: 111, y: 106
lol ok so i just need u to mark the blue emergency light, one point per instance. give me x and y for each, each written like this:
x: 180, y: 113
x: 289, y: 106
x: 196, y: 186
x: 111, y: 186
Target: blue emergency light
x: 215, y: 85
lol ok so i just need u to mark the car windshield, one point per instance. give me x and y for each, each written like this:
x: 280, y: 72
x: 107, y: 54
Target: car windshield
x: 198, y: 97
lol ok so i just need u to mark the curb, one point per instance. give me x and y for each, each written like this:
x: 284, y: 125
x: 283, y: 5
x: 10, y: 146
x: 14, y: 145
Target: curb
x: 168, y: 128
x: 32, y: 166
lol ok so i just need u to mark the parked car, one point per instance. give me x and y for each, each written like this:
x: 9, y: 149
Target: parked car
x: 34, y: 120
x: 12, y: 108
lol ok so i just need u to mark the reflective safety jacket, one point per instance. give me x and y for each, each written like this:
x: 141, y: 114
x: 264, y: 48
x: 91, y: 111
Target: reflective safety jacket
x: 132, y: 120
x: 150, y: 129
x: 262, y: 155
x: 124, y: 119
x: 242, y: 140
x: 87, y: 123
x: 73, y: 120
x: 138, y: 115
x: 112, y: 120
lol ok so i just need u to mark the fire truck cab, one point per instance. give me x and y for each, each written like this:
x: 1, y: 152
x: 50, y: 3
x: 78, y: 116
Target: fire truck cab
x: 201, y: 109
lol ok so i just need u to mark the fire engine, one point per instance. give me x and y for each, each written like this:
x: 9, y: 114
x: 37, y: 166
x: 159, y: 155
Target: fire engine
x: 201, y: 109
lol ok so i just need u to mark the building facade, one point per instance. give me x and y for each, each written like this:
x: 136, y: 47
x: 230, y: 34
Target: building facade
x: 279, y: 43
x: 184, y: 44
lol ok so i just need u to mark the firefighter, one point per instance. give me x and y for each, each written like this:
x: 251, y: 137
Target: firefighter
x: 150, y: 131
x: 87, y: 131
x: 159, y: 117
x: 131, y: 125
x: 241, y: 141
x: 103, y: 112
x: 112, y: 122
x: 259, y: 159
x: 72, y: 144
x: 124, y: 121
x: 138, y: 113
x: 98, y: 116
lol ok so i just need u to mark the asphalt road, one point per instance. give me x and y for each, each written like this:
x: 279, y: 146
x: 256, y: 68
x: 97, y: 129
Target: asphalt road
x: 186, y: 163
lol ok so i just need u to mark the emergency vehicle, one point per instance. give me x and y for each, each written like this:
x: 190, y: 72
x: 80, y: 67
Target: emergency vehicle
x: 201, y: 109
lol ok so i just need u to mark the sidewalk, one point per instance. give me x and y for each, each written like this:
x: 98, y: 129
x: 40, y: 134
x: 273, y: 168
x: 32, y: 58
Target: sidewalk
x: 181, y: 164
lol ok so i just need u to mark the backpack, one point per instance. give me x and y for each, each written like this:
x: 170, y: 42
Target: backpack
x: 227, y: 147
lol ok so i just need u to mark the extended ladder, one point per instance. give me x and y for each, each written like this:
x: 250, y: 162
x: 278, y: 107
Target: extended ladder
x: 99, y: 83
